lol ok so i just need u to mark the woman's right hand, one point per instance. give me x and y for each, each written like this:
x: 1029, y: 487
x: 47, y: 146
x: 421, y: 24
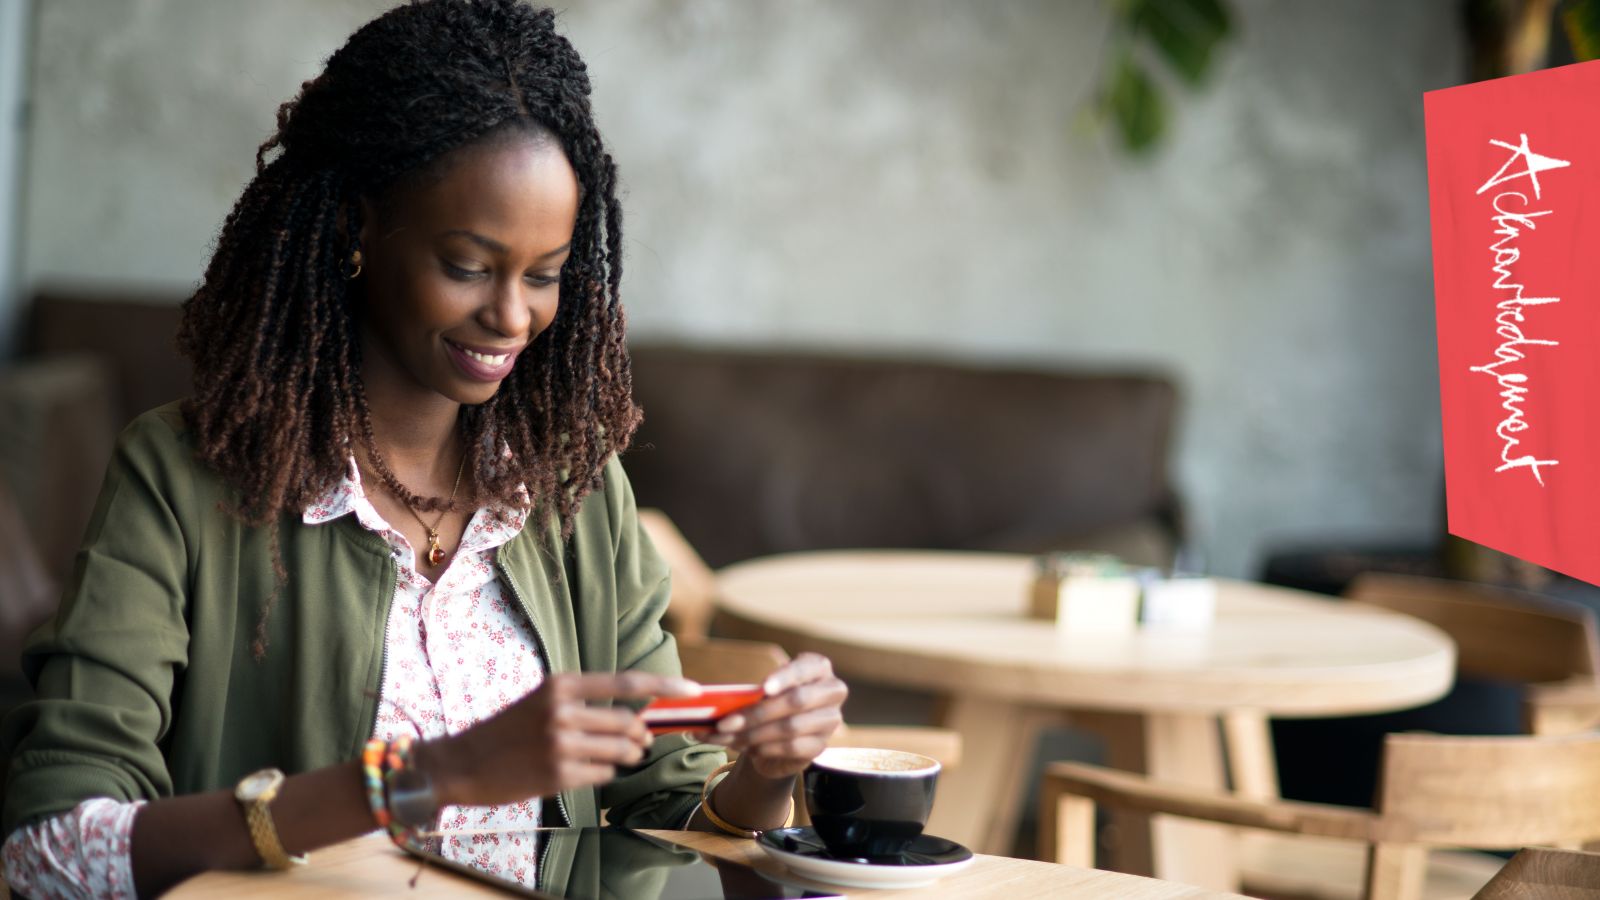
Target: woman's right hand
x: 552, y: 740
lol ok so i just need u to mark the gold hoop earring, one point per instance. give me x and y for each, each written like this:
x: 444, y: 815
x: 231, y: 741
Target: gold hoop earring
x: 353, y: 268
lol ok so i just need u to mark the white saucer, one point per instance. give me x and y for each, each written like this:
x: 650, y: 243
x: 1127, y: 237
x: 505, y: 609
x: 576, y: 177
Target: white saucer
x: 801, y: 852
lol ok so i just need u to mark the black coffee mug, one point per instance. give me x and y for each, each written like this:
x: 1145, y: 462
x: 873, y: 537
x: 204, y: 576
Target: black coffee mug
x: 869, y: 804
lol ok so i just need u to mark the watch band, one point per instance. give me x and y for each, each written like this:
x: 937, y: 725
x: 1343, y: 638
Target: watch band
x: 265, y: 836
x: 255, y: 794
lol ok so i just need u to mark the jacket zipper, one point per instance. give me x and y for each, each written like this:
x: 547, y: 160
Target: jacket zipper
x: 538, y: 637
x: 544, y: 853
x: 383, y: 655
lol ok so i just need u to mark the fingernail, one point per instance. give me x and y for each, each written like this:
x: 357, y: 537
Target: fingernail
x: 730, y: 724
x: 690, y: 688
x: 772, y: 686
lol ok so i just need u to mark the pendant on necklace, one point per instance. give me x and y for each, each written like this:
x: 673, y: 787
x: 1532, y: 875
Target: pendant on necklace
x: 435, y: 552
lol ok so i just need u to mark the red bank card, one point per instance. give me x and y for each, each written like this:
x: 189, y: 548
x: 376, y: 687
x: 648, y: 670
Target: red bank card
x: 1514, y: 196
x: 665, y: 715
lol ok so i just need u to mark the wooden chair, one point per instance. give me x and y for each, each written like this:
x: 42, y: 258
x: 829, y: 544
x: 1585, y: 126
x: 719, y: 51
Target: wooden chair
x: 1500, y: 633
x: 1437, y: 791
x: 726, y: 661
x: 694, y: 586
x: 1506, y: 635
x: 1562, y: 708
x: 1544, y: 873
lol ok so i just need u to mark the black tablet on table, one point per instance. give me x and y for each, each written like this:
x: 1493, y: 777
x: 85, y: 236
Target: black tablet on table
x: 616, y: 864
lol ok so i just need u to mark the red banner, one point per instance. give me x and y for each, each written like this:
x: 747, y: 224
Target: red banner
x: 1513, y: 185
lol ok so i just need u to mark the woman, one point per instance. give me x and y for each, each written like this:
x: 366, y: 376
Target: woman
x: 391, y: 510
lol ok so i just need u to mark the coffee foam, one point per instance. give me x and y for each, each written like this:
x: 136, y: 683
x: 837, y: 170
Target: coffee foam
x: 872, y: 761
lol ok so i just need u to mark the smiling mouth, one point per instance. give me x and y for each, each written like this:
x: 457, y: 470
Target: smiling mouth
x: 480, y: 366
x: 484, y: 358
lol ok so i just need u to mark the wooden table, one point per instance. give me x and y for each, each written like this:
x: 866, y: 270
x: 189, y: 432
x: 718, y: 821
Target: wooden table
x: 1167, y: 701
x: 372, y: 867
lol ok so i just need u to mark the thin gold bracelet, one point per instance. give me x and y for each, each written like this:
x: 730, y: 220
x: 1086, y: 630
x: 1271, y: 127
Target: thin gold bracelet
x: 724, y: 824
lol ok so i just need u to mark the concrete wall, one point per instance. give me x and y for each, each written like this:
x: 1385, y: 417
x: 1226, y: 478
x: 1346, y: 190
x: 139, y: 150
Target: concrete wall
x: 14, y: 18
x: 904, y: 175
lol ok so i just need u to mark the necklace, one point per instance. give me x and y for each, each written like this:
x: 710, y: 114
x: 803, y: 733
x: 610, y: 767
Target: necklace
x: 436, y: 553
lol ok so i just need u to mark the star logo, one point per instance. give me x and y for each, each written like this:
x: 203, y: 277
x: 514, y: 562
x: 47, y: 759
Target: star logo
x: 1535, y: 165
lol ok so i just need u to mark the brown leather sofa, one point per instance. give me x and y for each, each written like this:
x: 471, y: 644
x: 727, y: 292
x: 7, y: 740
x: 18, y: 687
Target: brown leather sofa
x: 759, y: 453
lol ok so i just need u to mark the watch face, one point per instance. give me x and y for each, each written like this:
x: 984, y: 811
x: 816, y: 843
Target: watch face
x: 411, y: 799
x: 257, y: 784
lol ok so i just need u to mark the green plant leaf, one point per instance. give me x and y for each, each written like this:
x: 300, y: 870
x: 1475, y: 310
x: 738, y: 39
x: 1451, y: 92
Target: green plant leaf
x: 1136, y: 106
x: 1580, y: 19
x: 1185, y: 32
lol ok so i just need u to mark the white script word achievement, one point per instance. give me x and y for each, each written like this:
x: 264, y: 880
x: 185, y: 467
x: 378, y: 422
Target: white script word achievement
x: 1511, y: 216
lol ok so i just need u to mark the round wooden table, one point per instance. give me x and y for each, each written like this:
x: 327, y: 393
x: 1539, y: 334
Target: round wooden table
x: 1167, y: 701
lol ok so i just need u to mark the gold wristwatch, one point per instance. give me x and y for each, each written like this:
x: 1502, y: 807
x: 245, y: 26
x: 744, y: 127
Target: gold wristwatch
x: 255, y: 794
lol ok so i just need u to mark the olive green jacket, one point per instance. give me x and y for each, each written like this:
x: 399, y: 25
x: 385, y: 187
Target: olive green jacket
x: 146, y: 681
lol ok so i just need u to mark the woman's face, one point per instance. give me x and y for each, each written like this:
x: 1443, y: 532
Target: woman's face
x: 463, y: 271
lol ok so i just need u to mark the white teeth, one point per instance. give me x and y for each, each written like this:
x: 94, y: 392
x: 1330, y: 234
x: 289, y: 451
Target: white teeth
x: 486, y: 360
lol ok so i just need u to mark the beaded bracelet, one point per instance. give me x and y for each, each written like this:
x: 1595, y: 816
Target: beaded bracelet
x: 372, y: 777
x: 724, y: 824
x: 379, y: 759
x: 397, y: 759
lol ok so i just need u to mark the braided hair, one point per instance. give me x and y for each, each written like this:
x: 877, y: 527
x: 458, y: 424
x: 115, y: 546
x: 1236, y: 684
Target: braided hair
x: 272, y: 330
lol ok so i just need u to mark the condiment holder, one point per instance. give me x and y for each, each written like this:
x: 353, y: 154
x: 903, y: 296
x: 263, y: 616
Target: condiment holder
x: 1096, y: 593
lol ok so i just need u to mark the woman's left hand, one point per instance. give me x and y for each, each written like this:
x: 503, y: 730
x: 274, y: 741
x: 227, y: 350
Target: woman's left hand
x: 783, y: 733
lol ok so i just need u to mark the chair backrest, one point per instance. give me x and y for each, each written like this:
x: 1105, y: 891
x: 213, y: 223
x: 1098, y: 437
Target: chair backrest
x: 724, y: 661
x: 1564, y: 708
x: 1547, y: 874
x: 1499, y: 632
x: 694, y: 586
x: 1490, y: 792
